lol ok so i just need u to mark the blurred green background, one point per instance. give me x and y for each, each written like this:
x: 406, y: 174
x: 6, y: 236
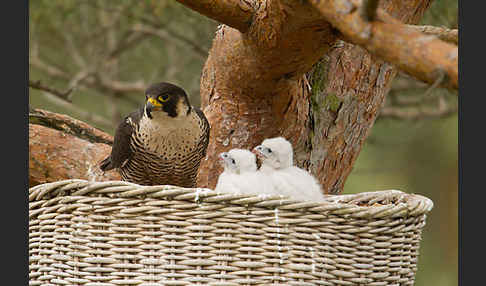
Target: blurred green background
x: 108, y: 50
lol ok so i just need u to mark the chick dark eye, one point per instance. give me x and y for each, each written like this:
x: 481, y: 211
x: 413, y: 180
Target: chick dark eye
x: 233, y: 161
x: 164, y: 97
x: 269, y: 150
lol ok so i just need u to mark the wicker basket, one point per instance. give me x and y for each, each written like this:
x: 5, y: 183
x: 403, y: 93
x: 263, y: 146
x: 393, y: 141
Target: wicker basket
x: 119, y: 233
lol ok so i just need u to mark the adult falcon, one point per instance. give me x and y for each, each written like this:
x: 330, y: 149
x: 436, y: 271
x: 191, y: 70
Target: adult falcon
x: 163, y: 142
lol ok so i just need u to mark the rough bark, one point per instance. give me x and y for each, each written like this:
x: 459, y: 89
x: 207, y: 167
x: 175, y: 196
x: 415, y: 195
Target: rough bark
x: 61, y: 147
x: 254, y: 86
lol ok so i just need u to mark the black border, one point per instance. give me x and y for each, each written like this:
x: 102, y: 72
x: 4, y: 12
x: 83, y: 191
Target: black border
x: 471, y: 145
x: 23, y: 224
x: 14, y: 138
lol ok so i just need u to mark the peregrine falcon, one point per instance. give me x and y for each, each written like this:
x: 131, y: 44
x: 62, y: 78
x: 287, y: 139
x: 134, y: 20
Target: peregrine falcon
x: 288, y: 180
x: 163, y: 142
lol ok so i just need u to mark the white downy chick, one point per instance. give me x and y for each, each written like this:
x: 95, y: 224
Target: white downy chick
x: 288, y: 180
x: 239, y: 175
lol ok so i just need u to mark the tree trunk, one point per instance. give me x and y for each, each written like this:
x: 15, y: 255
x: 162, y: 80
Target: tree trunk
x: 254, y: 86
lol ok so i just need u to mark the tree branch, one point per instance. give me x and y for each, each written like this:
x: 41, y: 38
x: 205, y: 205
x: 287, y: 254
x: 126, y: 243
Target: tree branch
x: 234, y: 13
x: 103, y: 82
x: 50, y: 70
x: 56, y: 155
x: 61, y: 147
x: 73, y: 49
x: 64, y: 95
x: 85, y: 115
x: 121, y: 86
x: 167, y: 34
x: 405, y: 82
x: 68, y: 125
x: 416, y: 114
x: 422, y: 56
x: 128, y: 40
x: 445, y: 34
x: 441, y: 111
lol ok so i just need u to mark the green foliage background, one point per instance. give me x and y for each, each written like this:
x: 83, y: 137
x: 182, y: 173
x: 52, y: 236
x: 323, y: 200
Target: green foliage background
x: 414, y: 156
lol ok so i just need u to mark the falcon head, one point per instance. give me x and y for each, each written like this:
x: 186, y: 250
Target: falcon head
x: 275, y: 152
x: 238, y: 161
x: 166, y: 100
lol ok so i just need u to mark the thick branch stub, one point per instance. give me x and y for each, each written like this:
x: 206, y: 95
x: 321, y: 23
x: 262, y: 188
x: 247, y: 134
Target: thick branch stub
x: 55, y: 155
x: 234, y: 13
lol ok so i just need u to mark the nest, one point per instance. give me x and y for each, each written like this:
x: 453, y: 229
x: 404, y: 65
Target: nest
x: 120, y: 233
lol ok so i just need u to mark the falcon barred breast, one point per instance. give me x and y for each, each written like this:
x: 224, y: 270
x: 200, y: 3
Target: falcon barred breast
x: 163, y: 142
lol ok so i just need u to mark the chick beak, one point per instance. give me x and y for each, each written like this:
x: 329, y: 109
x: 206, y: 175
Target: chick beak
x: 257, y: 151
x: 221, y: 158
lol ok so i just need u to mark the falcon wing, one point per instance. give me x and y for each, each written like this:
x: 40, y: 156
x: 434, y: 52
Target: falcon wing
x: 121, y: 151
x: 205, y: 128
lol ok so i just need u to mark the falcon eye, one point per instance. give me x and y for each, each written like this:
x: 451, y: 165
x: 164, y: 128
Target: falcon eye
x: 233, y: 161
x: 163, y: 97
x: 269, y: 150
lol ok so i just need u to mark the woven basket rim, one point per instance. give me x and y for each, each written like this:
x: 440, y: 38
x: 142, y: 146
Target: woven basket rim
x: 365, y: 205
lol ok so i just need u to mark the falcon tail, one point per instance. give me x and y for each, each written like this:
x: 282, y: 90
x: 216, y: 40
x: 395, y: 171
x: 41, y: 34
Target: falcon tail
x: 106, y: 165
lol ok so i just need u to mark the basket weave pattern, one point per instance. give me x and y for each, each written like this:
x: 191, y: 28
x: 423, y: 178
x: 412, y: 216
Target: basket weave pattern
x: 119, y: 233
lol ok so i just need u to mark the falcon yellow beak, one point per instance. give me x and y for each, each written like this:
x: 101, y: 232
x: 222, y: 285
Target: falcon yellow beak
x: 154, y: 102
x: 151, y: 105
